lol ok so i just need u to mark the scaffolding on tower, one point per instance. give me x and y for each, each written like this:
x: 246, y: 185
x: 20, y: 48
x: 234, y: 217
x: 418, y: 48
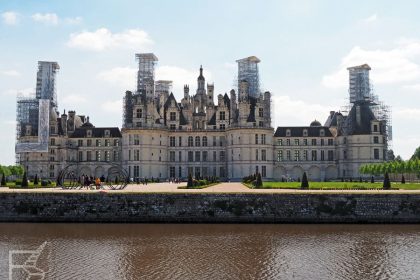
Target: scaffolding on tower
x: 146, y: 70
x: 248, y: 71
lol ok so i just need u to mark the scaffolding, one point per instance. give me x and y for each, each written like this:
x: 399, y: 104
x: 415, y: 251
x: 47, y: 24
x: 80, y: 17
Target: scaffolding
x: 248, y: 71
x: 46, y: 82
x: 359, y: 84
x: 163, y: 86
x: 146, y: 72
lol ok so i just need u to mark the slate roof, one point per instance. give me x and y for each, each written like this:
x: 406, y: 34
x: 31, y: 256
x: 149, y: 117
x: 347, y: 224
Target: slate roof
x: 97, y: 132
x: 297, y: 131
x: 212, y: 121
x: 366, y: 116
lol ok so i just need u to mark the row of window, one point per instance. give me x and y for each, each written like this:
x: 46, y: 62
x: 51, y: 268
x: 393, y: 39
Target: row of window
x: 260, y: 140
x: 304, y: 142
x: 99, y: 156
x: 98, y: 142
x: 196, y: 141
x: 304, y: 155
x: 197, y: 172
x: 305, y: 133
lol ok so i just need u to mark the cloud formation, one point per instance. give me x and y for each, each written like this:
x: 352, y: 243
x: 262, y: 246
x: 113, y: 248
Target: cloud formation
x: 371, y: 18
x: 47, y: 18
x: 10, y: 18
x: 10, y: 73
x: 400, y: 64
x: 103, y: 39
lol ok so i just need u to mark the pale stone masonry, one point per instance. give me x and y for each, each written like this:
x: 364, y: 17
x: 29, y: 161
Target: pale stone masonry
x: 226, y: 135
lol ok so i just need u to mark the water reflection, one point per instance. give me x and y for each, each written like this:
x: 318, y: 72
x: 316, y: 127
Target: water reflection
x: 188, y: 251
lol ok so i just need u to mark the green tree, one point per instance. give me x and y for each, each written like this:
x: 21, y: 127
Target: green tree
x: 416, y: 154
x: 304, y: 184
x: 24, y: 180
x: 387, y: 183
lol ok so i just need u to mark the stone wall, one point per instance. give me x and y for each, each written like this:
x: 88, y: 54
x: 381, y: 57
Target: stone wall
x: 210, y: 208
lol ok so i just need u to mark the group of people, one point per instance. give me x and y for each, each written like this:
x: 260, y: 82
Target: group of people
x: 89, y: 181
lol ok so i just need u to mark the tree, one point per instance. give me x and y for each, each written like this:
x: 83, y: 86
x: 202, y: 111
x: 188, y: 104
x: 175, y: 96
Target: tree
x: 258, y: 182
x: 36, y: 179
x: 3, y: 180
x: 24, y: 180
x: 387, y: 183
x: 416, y: 154
x: 399, y: 158
x: 304, y: 184
x: 190, y: 181
x: 391, y: 155
x: 402, y: 179
x: 372, y: 179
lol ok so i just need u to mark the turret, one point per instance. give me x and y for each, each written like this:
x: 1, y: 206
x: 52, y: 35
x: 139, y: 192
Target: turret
x: 186, y: 91
x: 210, y: 94
x: 64, y: 123
x: 243, y: 90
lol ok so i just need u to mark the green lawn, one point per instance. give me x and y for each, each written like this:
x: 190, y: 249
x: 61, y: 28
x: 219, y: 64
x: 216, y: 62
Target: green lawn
x: 31, y: 185
x: 338, y: 185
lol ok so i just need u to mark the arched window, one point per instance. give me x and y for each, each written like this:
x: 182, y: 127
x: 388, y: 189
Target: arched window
x: 204, y: 141
x: 197, y: 141
x: 190, y: 141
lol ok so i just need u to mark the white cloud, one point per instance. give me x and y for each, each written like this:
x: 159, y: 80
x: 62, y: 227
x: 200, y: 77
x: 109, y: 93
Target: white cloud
x: 48, y: 18
x: 289, y: 112
x: 26, y: 92
x: 415, y: 87
x: 74, y: 99
x: 406, y: 113
x: 371, y: 18
x: 10, y: 18
x: 112, y: 106
x: 103, y: 39
x: 10, y: 73
x: 73, y: 21
x: 400, y: 64
x: 125, y: 77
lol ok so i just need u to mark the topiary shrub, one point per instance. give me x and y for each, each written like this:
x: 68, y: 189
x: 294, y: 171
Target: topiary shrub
x: 3, y: 180
x: 258, y: 182
x: 387, y: 183
x: 372, y: 179
x: 36, y: 179
x: 44, y: 183
x: 402, y: 179
x: 305, y: 184
x: 190, y: 183
x: 24, y: 180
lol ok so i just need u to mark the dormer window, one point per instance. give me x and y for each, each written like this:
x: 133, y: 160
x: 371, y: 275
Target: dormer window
x: 107, y: 133
x: 322, y: 133
x: 305, y: 132
x: 89, y: 133
x: 288, y: 132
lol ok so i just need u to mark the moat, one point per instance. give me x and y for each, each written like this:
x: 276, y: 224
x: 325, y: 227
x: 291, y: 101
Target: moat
x: 215, y: 251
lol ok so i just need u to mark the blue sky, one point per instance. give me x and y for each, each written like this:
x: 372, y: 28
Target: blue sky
x: 304, y: 47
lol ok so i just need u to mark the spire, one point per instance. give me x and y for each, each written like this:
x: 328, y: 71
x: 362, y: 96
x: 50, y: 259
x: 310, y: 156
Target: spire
x: 201, y: 77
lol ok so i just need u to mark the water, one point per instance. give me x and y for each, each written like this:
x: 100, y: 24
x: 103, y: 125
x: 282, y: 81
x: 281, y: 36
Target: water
x: 207, y: 251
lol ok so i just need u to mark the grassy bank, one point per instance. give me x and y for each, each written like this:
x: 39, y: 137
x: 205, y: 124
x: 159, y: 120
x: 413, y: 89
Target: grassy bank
x: 338, y: 185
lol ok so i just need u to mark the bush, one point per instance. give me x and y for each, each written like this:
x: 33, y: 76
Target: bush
x: 304, y: 185
x: 18, y: 182
x: 402, y: 179
x: 372, y: 179
x: 258, y: 182
x: 45, y: 183
x: 190, y: 183
x: 36, y: 179
x: 3, y: 180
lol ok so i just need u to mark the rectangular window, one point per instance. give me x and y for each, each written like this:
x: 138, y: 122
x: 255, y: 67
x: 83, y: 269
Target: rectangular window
x: 98, y: 155
x: 116, y: 156
x: 375, y: 128
x: 137, y: 155
x: 221, y: 141
x: 322, y: 142
x: 179, y: 171
x: 98, y: 142
x: 256, y: 138
x: 345, y: 154
x: 136, y: 139
x: 172, y: 156
x: 172, y: 172
x: 80, y: 143
x: 80, y: 156
x: 179, y: 156
x: 330, y: 142
x: 330, y: 155
x: 222, y: 126
x: 89, y: 142
x: 256, y: 154
x: 297, y: 155
x: 172, y: 127
x: 322, y: 155
x: 214, y: 156
x: 222, y: 116
x: 305, y: 142
x: 288, y: 157
x: 288, y: 142
x: 106, y: 142
x: 263, y: 171
x: 222, y: 155
x: 280, y: 155
x: 260, y: 112
x: 197, y: 156
x: 214, y: 141
x: 314, y: 158
x: 375, y: 139
x: 376, y: 153
x: 172, y: 117
x: 261, y: 124
x: 263, y: 139
x: 263, y: 155
x: 204, y: 155
x: 222, y: 172
x: 190, y: 156
x: 136, y: 170
x: 280, y: 142
x: 296, y: 142
x: 313, y: 142
x: 305, y: 155
x: 172, y: 141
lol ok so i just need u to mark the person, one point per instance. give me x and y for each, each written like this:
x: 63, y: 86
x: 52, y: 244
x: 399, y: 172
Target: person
x: 97, y: 183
